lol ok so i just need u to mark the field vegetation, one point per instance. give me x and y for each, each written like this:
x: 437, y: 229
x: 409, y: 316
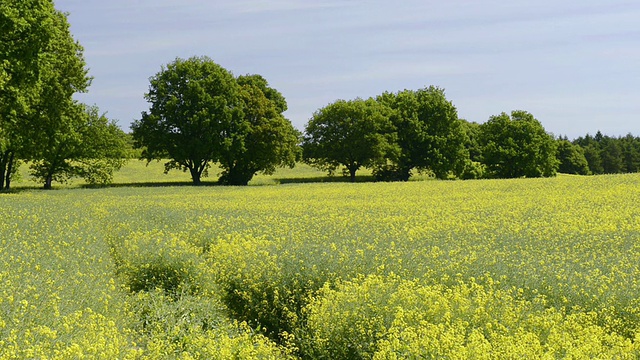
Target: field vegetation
x: 523, y: 268
x: 135, y: 265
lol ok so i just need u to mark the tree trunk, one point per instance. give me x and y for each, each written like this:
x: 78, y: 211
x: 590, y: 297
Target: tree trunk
x: 352, y: 173
x: 3, y: 169
x: 9, y: 170
x: 195, y: 175
x: 48, y: 182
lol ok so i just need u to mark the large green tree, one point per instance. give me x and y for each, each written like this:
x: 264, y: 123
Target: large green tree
x: 26, y: 30
x: 429, y: 134
x: 516, y: 146
x: 91, y: 147
x: 262, y: 138
x: 56, y: 120
x: 353, y: 134
x: 42, y: 68
x: 193, y: 104
x: 200, y: 113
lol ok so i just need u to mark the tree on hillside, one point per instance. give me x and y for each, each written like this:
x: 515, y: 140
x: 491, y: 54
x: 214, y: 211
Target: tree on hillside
x: 26, y: 30
x: 91, y: 147
x: 516, y: 146
x: 571, y: 158
x: 353, y: 134
x: 262, y: 138
x: 193, y: 104
x: 429, y: 134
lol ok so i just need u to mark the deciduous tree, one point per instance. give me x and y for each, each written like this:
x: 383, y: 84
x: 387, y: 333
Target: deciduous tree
x: 571, y: 158
x: 194, y: 103
x: 516, y: 146
x: 353, y: 134
x: 429, y: 134
x: 91, y: 147
x: 262, y: 138
x: 26, y: 30
x: 201, y: 114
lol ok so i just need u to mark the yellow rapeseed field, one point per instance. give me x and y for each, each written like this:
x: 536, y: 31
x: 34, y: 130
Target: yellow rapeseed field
x: 489, y: 269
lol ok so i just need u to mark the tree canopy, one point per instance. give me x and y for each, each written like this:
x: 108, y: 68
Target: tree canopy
x: 429, y: 134
x: 201, y: 114
x: 572, y: 159
x: 92, y: 147
x: 353, y: 134
x: 42, y: 67
x: 193, y: 103
x: 25, y: 31
x: 517, y: 146
x: 262, y: 138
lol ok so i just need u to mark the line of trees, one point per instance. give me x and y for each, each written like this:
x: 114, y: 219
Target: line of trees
x: 396, y: 134
x: 41, y: 68
x: 607, y: 155
x: 202, y: 114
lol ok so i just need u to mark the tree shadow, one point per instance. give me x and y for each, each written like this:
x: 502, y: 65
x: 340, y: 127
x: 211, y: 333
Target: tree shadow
x: 150, y: 184
x: 326, y: 179
x: 19, y: 189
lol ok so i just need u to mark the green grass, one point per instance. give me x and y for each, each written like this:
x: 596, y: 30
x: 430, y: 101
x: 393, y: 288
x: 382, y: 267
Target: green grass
x: 141, y: 173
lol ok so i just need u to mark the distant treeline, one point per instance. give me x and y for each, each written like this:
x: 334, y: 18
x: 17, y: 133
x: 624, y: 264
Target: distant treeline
x: 585, y: 155
x: 396, y: 134
x: 201, y: 114
x: 608, y: 155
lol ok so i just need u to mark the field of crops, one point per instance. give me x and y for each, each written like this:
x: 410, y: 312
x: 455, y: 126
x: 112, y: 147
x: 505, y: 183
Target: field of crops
x: 490, y: 269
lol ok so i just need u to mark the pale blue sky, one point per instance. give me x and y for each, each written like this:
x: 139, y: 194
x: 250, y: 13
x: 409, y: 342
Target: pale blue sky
x: 574, y: 64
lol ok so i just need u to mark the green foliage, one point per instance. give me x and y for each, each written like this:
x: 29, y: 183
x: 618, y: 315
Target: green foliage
x: 430, y: 137
x: 262, y: 139
x: 572, y: 159
x: 606, y: 154
x: 516, y: 146
x: 592, y: 154
x: 472, y: 132
x: 193, y: 103
x: 353, y: 134
x: 473, y: 170
x: 41, y: 68
x: 91, y: 146
x: 201, y: 114
x: 485, y: 269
